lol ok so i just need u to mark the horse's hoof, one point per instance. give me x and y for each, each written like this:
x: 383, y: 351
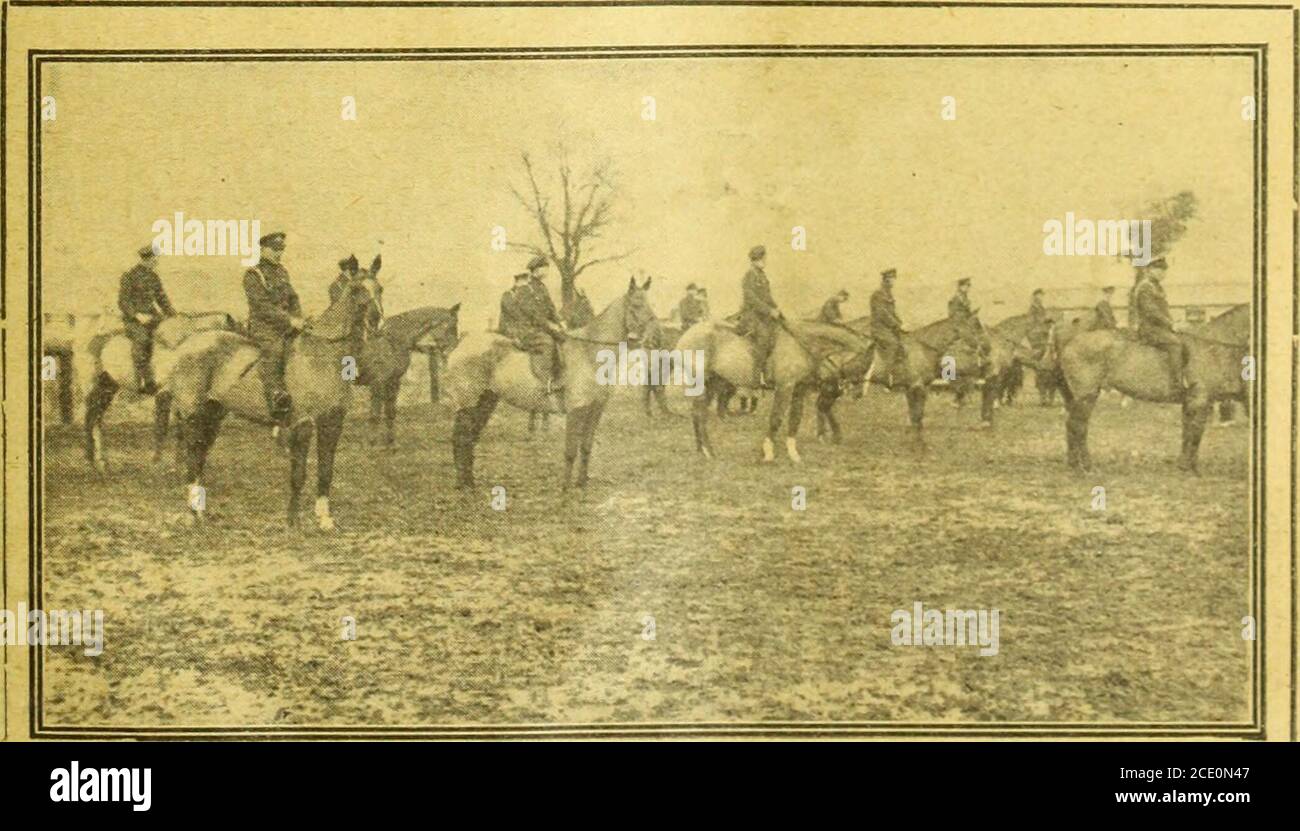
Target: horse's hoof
x: 769, y: 451
x: 792, y: 450
x: 326, y: 523
x: 985, y: 425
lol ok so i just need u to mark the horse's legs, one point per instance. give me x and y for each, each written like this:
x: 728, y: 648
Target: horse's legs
x: 646, y: 392
x: 299, y: 446
x: 390, y: 412
x: 987, y: 397
x: 826, y: 399
x: 162, y: 412
x: 700, y: 415
x: 532, y: 421
x: 465, y: 433
x: 916, y: 395
x: 196, y: 433
x: 434, y: 359
x: 780, y: 403
x: 574, y: 429
x: 97, y: 402
x: 376, y: 413
x: 1076, y: 426
x: 329, y: 428
x: 795, y: 416
x: 1196, y: 414
x: 588, y: 439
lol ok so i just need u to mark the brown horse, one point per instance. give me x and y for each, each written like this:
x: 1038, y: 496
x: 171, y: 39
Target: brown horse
x: 804, y: 355
x: 106, y: 360
x: 1010, y: 353
x: 215, y: 374
x: 486, y: 368
x: 1113, y: 359
x: 387, y: 356
x: 938, y: 350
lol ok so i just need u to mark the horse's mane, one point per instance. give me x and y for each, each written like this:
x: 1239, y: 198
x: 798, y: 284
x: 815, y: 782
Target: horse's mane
x: 841, y: 336
x: 409, y: 326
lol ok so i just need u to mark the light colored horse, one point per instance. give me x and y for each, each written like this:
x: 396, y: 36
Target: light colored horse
x: 486, y: 368
x: 804, y: 354
x: 1114, y: 359
x: 104, y: 360
x: 215, y: 373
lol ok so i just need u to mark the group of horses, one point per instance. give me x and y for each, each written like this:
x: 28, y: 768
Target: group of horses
x: 206, y: 369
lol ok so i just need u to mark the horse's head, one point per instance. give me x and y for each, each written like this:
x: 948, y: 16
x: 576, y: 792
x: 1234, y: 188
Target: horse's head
x: 446, y: 332
x: 638, y: 318
x: 367, y: 297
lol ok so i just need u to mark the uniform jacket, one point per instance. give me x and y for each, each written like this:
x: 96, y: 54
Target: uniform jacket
x: 831, y: 312
x: 271, y: 301
x: 523, y: 315
x: 1152, y: 309
x: 1105, y: 316
x: 1039, y: 322
x: 757, y: 304
x: 544, y: 302
x: 141, y: 292
x: 690, y: 310
x: 884, y: 318
x: 959, y: 306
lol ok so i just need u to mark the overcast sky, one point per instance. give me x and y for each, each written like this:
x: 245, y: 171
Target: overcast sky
x: 742, y: 149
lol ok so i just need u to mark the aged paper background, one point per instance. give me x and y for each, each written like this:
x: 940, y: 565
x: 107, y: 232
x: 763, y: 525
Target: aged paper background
x: 741, y: 149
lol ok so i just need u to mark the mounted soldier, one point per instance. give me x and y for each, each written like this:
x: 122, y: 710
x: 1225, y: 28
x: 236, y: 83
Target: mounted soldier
x: 274, y: 316
x: 691, y: 309
x: 1104, y: 314
x: 759, y: 315
x: 526, y: 320
x: 348, y: 269
x: 830, y: 312
x: 1040, y: 324
x: 144, y: 304
x: 887, y: 326
x: 1156, y: 324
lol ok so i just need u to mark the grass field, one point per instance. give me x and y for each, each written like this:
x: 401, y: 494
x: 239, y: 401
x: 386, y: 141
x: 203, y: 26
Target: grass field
x: 468, y: 615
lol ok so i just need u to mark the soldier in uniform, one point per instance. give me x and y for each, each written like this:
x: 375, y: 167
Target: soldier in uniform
x: 348, y: 269
x: 1155, y: 324
x: 274, y: 315
x: 691, y: 309
x: 524, y: 319
x: 1105, y: 315
x: 144, y: 304
x: 1040, y: 324
x: 545, y: 307
x: 759, y: 315
x: 703, y: 296
x: 887, y: 327
x: 830, y: 312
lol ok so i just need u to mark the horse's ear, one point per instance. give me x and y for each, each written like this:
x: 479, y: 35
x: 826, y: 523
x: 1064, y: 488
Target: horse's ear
x: 455, y: 309
x: 631, y: 284
x: 646, y: 286
x: 375, y: 264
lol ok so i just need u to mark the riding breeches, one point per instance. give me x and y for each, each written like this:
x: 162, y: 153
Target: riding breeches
x: 271, y: 369
x: 1172, y: 345
x: 141, y: 337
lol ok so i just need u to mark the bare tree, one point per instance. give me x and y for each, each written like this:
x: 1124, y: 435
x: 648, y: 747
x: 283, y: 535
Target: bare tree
x: 570, y: 230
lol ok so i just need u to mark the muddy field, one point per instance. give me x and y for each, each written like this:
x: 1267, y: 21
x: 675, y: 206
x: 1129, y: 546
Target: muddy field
x: 539, y: 613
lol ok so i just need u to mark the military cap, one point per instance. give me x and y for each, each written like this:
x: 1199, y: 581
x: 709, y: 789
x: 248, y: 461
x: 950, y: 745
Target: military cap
x: 350, y: 264
x: 273, y: 240
x: 523, y: 275
x: 1036, y: 292
x: 692, y: 287
x: 965, y: 281
x: 147, y: 251
x: 536, y: 262
x: 1108, y: 290
x: 703, y: 290
x: 889, y: 273
x: 842, y: 293
x: 758, y: 252
x: 1158, y: 262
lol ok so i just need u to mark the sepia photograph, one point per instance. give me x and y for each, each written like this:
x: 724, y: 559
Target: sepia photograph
x: 811, y: 372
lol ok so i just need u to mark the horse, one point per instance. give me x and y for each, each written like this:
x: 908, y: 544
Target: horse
x: 215, y: 374
x: 486, y: 368
x: 1233, y: 326
x: 658, y: 336
x: 1113, y: 359
x: 926, y: 350
x: 804, y: 354
x: 386, y: 357
x: 106, y: 359
x: 1009, y: 354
